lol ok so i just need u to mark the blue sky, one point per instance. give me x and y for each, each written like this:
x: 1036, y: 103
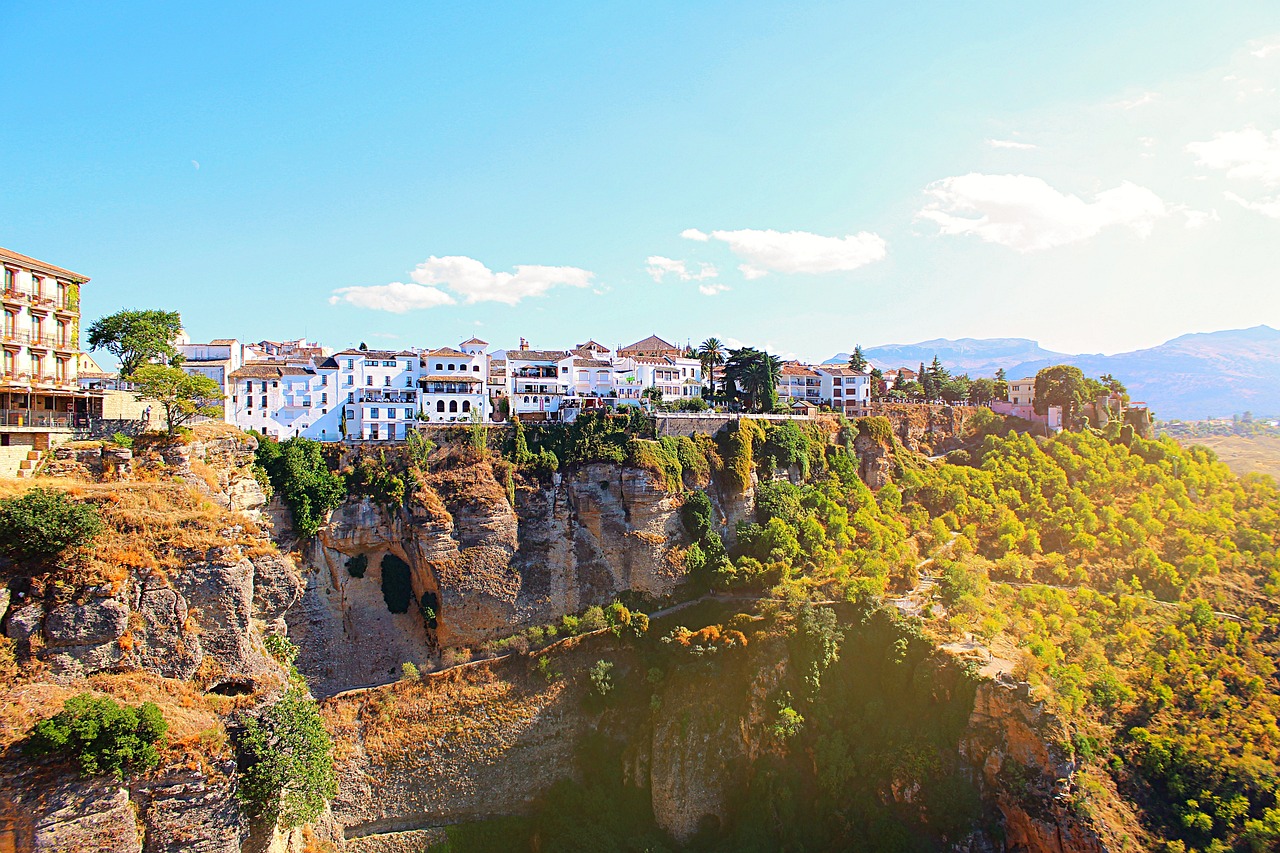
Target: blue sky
x: 1099, y: 179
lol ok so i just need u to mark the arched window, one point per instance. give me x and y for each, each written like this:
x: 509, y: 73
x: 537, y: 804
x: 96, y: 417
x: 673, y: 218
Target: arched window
x: 466, y: 405
x: 453, y: 405
x: 526, y: 399
x: 439, y: 405
x: 451, y: 367
x: 439, y: 366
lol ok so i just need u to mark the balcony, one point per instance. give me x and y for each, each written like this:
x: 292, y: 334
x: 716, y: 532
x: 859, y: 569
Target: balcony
x: 378, y: 396
x: 14, y: 296
x: 35, y: 418
x: 40, y: 304
x: 41, y: 341
x: 13, y: 337
x: 449, y: 388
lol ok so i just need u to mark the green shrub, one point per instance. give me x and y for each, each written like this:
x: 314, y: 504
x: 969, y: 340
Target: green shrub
x: 696, y: 515
x: 41, y: 524
x: 300, y: 475
x: 289, y: 758
x: 281, y: 648
x: 657, y: 458
x: 373, y: 478
x: 121, y: 440
x: 602, y: 678
x: 409, y: 671
x: 878, y: 429
x: 101, y: 735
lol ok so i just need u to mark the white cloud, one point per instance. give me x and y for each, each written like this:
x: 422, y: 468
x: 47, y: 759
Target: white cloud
x: 1197, y: 219
x: 1247, y: 154
x: 712, y: 289
x: 800, y: 251
x: 1266, y: 50
x: 695, y: 234
x: 1138, y: 101
x: 396, y: 297
x: 467, y: 278
x: 1266, y: 206
x: 659, y: 267
x: 1009, y: 143
x: 1027, y: 214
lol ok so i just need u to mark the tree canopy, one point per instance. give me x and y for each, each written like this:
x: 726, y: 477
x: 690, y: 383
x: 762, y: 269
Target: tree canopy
x: 751, y: 378
x: 1061, y: 385
x: 183, y: 396
x: 137, y: 337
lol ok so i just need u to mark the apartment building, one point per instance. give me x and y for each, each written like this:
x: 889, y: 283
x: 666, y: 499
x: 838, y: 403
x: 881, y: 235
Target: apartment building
x: 538, y: 381
x: 845, y: 389
x: 217, y: 360
x: 798, y: 381
x: 454, y: 383
x: 41, y: 400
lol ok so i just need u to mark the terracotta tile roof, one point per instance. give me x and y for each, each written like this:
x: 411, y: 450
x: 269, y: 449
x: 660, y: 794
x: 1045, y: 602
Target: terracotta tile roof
x: 327, y: 363
x: 448, y: 351
x: 648, y: 359
x: 450, y: 377
x: 377, y: 353
x: 474, y: 341
x: 592, y: 345
x: 268, y: 371
x: 650, y: 344
x: 39, y: 266
x: 841, y: 371
x: 795, y: 368
x: 536, y: 355
x: 591, y: 362
x: 222, y: 342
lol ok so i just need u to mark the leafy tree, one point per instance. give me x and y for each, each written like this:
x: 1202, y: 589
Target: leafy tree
x: 858, y: 361
x: 751, y: 377
x: 183, y: 396
x: 696, y: 515
x: 101, y: 735
x: 299, y: 474
x: 711, y: 354
x: 982, y: 391
x: 40, y: 524
x: 290, y: 762
x: 653, y: 394
x: 137, y: 338
x: 1062, y: 385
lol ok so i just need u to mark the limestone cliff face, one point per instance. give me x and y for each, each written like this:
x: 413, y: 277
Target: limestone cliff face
x: 926, y: 428
x: 875, y: 461
x: 1012, y: 742
x: 483, y: 567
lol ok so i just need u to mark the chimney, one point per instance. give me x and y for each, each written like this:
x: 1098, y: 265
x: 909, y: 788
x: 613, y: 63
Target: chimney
x: 524, y: 344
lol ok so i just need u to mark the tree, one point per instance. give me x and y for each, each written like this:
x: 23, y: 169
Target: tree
x: 290, y: 762
x: 1115, y: 386
x: 1061, y: 385
x: 137, y: 338
x: 182, y: 395
x: 982, y: 391
x: 751, y: 376
x: 1001, y: 391
x: 711, y: 354
x: 877, y: 381
x: 40, y: 524
x: 101, y: 735
x: 653, y: 394
x: 303, y: 481
x: 858, y: 361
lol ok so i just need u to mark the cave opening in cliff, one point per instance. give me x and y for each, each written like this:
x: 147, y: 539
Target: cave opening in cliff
x: 397, y: 584
x: 430, y: 605
x: 231, y: 688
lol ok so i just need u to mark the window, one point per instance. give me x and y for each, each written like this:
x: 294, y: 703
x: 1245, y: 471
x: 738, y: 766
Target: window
x: 453, y: 405
x: 439, y: 366
x: 351, y: 380
x: 440, y: 404
x: 324, y: 398
x: 451, y: 367
x: 351, y: 364
x: 564, y: 370
x: 373, y: 413
x: 37, y: 285
x: 248, y: 403
x: 368, y: 380
x: 466, y: 405
x: 8, y: 279
x: 275, y: 384
x: 386, y: 381
x: 476, y: 368
x: 408, y: 382
x: 264, y: 402
x: 324, y: 379
x: 408, y: 414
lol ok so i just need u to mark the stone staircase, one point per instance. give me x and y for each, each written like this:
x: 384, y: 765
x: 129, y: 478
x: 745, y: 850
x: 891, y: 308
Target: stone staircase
x: 19, y: 461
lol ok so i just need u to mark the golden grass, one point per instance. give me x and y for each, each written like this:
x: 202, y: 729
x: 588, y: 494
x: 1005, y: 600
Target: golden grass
x: 154, y: 526
x: 196, y: 732
x: 1255, y: 454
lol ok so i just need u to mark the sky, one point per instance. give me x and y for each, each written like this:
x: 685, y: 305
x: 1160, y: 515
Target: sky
x: 801, y: 176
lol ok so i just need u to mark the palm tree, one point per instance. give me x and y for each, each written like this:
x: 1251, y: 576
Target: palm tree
x: 711, y: 353
x: 753, y: 375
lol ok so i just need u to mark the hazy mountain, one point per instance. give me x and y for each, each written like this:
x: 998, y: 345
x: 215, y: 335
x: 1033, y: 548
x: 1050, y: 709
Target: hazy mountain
x: 1201, y: 375
x: 966, y: 355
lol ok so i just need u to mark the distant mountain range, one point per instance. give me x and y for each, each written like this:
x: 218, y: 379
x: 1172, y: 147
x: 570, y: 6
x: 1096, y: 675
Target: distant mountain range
x: 1213, y: 374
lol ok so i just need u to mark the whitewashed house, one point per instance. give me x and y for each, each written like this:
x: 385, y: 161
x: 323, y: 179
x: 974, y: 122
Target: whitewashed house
x: 845, y: 389
x: 538, y: 381
x: 454, y: 383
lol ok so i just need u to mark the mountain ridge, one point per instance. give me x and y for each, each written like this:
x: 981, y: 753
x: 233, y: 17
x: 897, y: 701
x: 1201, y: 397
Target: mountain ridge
x: 1196, y: 375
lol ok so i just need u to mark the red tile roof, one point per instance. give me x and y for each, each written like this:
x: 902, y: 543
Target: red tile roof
x: 39, y: 266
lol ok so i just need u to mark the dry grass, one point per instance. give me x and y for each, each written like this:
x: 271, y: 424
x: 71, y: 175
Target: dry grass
x: 196, y: 733
x: 149, y: 526
x: 1258, y: 454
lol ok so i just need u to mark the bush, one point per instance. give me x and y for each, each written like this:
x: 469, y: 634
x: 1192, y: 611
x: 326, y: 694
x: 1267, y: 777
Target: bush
x: 101, y: 735
x: 696, y: 515
x: 41, y: 524
x: 122, y: 440
x: 602, y: 678
x: 290, y: 763
x: 409, y: 671
x: 299, y: 474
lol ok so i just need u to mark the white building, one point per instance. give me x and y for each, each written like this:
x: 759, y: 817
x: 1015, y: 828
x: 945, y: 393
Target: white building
x: 845, y: 389
x: 217, y: 360
x: 454, y: 383
x: 798, y: 381
x: 538, y: 381
x: 380, y: 393
x: 285, y: 400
